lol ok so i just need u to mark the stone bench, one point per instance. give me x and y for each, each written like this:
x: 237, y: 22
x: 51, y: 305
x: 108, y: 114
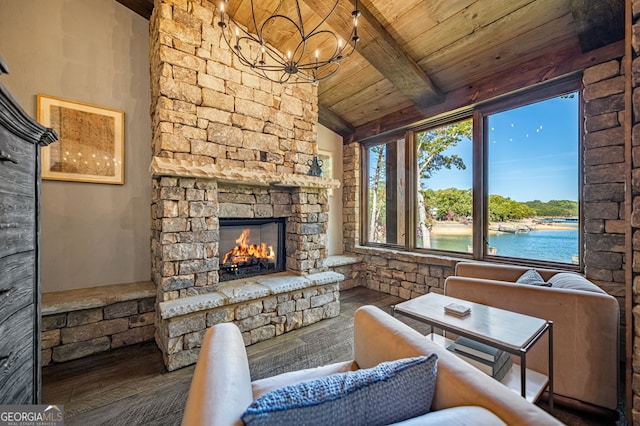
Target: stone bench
x: 78, y: 323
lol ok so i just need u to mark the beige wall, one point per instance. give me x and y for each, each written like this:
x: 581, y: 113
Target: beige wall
x: 92, y: 51
x: 332, y: 142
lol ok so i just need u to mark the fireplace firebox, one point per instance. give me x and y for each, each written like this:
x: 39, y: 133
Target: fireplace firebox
x: 250, y: 247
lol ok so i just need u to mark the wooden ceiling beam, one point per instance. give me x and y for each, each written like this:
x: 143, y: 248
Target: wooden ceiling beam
x: 379, y: 48
x: 521, y: 77
x: 141, y: 7
x: 333, y: 121
x: 598, y: 22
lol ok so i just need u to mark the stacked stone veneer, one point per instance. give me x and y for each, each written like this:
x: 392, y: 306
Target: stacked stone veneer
x: 209, y: 109
x: 229, y: 144
x: 78, y: 323
x: 185, y: 258
x: 262, y: 308
x: 603, y: 196
x: 635, y: 215
x: 185, y: 229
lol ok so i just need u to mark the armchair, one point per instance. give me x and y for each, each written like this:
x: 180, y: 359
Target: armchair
x: 585, y: 328
x: 221, y: 388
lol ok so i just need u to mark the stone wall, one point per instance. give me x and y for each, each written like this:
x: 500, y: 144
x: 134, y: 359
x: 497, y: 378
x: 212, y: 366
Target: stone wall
x: 403, y: 274
x: 208, y: 108
x: 261, y: 307
x: 351, y: 196
x: 78, y: 323
x: 603, y: 195
x: 227, y: 144
x: 635, y: 216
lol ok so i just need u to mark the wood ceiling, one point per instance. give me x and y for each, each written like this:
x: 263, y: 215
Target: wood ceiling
x: 417, y: 59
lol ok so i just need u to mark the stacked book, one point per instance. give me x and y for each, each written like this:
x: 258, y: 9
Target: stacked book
x: 492, y: 361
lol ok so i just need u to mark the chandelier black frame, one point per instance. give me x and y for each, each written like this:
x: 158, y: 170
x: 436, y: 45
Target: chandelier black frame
x: 255, y: 52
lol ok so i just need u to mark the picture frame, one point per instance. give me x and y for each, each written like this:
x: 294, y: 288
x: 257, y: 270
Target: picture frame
x: 91, y: 144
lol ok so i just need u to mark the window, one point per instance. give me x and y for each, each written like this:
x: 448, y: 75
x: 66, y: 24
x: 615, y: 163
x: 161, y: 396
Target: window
x: 444, y: 201
x: 504, y: 183
x: 385, y: 167
x: 533, y: 180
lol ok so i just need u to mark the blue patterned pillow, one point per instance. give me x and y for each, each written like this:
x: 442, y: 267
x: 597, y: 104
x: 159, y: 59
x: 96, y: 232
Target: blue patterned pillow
x: 388, y: 393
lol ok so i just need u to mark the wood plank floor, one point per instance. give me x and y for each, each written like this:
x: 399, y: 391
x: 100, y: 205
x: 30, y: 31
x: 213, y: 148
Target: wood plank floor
x: 130, y: 386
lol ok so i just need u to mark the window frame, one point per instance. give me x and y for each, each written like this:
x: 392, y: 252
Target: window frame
x: 480, y: 172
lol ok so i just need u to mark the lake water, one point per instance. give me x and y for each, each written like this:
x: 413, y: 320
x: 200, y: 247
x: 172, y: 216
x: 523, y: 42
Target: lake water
x: 551, y: 245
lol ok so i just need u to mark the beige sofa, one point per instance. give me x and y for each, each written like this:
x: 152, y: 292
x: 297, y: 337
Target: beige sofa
x: 221, y: 388
x: 585, y: 328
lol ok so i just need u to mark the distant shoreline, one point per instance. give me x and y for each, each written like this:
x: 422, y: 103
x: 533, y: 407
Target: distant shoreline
x: 454, y: 228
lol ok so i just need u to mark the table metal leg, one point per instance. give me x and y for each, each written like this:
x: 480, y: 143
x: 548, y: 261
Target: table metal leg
x: 523, y: 373
x: 550, y: 365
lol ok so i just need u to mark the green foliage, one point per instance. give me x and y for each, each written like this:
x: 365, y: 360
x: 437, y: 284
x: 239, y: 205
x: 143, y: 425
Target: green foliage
x: 554, y: 208
x: 449, y: 202
x: 454, y: 203
x: 432, y: 144
x: 502, y: 209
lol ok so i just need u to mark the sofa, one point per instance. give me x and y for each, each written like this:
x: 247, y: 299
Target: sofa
x: 585, y: 326
x: 221, y: 387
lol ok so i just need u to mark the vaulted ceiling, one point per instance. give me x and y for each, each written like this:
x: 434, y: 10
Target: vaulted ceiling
x: 419, y: 58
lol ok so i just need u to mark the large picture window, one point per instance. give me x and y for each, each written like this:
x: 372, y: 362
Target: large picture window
x: 506, y: 186
x: 533, y: 180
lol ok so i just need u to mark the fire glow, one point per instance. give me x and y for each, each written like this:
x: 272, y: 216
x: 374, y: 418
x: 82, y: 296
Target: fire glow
x: 246, y: 253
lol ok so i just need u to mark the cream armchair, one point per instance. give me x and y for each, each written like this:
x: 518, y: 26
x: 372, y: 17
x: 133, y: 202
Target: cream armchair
x: 585, y: 328
x: 221, y: 388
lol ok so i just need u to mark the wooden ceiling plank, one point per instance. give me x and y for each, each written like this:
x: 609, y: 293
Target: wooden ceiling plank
x: 541, y: 69
x: 498, y: 33
x: 457, y: 70
x: 384, y: 53
x: 372, y: 102
x: 422, y: 44
x: 598, y: 23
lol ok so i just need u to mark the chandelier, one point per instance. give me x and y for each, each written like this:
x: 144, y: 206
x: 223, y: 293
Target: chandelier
x: 309, y: 56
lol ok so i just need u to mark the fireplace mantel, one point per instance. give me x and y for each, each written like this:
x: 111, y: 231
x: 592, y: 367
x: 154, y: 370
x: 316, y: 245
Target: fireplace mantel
x: 161, y: 166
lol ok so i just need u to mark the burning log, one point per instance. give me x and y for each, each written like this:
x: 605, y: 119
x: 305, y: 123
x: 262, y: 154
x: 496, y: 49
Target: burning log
x: 245, y: 252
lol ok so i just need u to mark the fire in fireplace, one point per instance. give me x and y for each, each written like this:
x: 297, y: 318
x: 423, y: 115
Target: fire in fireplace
x: 251, y: 247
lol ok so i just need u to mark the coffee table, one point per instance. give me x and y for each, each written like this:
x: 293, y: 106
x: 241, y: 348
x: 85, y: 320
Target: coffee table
x: 509, y: 331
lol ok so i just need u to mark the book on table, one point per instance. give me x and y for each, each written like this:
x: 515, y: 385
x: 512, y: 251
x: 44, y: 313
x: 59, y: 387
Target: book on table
x: 497, y: 367
x: 477, y: 349
x: 457, y: 309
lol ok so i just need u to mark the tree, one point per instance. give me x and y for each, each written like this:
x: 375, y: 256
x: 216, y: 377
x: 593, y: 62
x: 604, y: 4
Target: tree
x: 502, y: 209
x: 377, y: 191
x: 554, y: 208
x: 431, y: 152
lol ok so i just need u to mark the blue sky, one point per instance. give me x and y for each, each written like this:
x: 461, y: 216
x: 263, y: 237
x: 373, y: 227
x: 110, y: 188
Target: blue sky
x: 533, y: 153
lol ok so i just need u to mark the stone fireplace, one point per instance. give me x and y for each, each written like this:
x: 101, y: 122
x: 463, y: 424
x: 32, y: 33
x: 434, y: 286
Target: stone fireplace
x: 230, y: 145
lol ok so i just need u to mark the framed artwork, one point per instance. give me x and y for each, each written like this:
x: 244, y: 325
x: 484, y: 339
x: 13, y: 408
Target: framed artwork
x: 91, y: 144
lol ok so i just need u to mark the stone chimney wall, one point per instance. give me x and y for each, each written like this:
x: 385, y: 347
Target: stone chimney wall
x: 227, y: 143
x: 208, y: 108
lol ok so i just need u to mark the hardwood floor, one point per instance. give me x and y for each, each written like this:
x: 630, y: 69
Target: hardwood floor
x: 130, y: 386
